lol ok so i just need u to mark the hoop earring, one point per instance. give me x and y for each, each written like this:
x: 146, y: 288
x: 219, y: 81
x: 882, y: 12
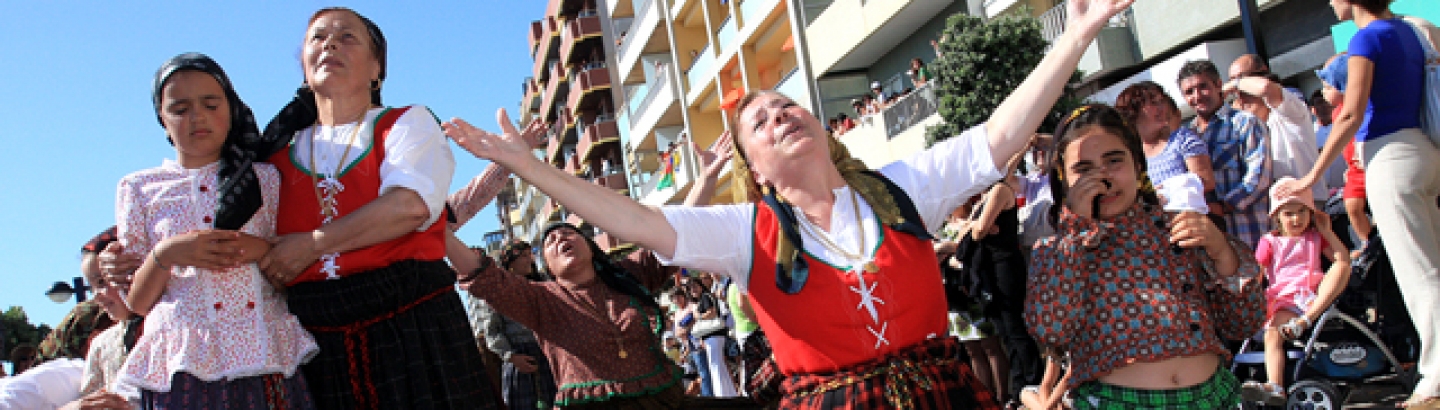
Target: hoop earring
x: 375, y: 85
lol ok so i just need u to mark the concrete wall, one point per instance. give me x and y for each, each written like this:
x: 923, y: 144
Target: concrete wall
x: 867, y: 142
x: 897, y: 61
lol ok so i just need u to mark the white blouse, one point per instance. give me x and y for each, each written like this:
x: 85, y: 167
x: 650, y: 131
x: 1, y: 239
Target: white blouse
x: 417, y: 155
x: 719, y: 239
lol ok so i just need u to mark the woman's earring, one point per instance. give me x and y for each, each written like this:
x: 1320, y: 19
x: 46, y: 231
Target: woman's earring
x: 375, y: 85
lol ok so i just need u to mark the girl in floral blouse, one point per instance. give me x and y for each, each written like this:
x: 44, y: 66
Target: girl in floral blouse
x: 1138, y: 297
x: 217, y: 334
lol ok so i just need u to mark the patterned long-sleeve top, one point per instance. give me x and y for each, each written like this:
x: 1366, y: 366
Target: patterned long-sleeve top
x: 593, y: 359
x: 1240, y: 155
x: 1129, y: 296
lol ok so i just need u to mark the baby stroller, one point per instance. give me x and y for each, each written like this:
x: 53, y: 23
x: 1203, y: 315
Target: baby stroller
x: 1354, y: 343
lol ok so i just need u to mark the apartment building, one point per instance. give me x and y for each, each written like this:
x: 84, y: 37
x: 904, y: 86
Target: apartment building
x: 682, y: 65
x: 570, y: 89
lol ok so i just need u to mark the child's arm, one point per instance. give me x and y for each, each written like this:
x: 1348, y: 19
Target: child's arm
x: 203, y: 249
x: 1000, y: 198
x: 1056, y: 396
x: 252, y: 247
x: 1338, y: 275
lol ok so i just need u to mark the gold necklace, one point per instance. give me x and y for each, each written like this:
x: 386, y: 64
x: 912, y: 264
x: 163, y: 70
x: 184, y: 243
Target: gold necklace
x: 328, y: 209
x: 869, y: 266
x: 601, y: 316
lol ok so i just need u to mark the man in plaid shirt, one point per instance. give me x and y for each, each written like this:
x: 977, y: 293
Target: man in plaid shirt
x: 1239, y: 152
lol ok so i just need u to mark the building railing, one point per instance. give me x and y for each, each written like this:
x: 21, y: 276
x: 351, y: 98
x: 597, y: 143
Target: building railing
x: 814, y: 8
x: 1052, y: 22
x: 662, y: 75
x: 909, y: 110
x: 685, y: 170
x: 752, y: 10
x: 700, y: 66
x: 727, y: 34
x: 631, y: 38
x: 793, y: 85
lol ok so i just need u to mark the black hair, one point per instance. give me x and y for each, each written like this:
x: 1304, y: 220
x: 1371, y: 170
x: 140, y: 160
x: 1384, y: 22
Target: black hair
x: 1198, y: 67
x: 607, y: 270
x: 1109, y: 119
x: 1373, y: 6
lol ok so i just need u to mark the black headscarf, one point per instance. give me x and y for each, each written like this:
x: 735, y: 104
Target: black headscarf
x: 235, y: 205
x: 241, y: 196
x: 609, y: 272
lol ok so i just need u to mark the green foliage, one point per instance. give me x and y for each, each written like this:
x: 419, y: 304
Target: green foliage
x: 19, y: 330
x: 980, y: 63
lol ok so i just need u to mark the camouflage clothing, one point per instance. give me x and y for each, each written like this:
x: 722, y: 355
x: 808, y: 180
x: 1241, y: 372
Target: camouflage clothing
x: 71, y: 338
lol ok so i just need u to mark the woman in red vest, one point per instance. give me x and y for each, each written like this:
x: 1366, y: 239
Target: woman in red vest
x: 361, y: 251
x: 837, y: 259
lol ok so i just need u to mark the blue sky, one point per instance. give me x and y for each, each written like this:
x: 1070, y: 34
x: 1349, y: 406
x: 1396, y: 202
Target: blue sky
x: 75, y: 104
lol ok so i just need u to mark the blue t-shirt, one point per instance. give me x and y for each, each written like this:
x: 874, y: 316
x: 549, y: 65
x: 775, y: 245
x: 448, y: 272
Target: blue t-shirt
x: 1396, y: 91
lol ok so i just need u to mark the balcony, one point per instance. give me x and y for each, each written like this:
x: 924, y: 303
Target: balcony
x: 545, y: 47
x: 725, y: 38
x: 793, y: 85
x: 576, y: 41
x: 615, y: 181
x: 596, y: 136
x: 537, y: 32
x: 586, y: 93
x: 655, y: 107
x: 651, y: 194
x: 753, y: 12
x: 556, y: 89
x: 572, y: 164
x: 532, y: 99
x: 554, y: 143
x: 853, y: 34
x: 910, y: 110
x: 701, y: 70
x: 1115, y: 47
x: 642, y: 28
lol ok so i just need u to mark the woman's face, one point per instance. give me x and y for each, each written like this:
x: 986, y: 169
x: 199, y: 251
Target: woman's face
x: 1098, y: 153
x: 1154, y: 116
x: 565, y: 250
x: 338, y: 55
x: 776, y: 132
x: 196, y: 116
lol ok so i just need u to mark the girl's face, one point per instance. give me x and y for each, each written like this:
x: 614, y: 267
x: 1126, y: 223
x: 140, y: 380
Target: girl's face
x: 1154, y: 116
x: 338, y: 54
x: 774, y: 131
x: 1293, y: 219
x: 1098, y: 153
x: 196, y: 115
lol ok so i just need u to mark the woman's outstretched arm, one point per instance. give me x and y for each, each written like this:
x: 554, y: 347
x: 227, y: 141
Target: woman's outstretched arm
x: 1017, y: 118
x: 617, y: 214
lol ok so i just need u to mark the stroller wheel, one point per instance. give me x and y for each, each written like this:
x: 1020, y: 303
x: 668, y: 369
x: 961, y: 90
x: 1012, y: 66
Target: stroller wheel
x: 1313, y: 395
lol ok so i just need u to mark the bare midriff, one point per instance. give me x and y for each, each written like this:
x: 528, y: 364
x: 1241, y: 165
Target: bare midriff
x: 1174, y: 373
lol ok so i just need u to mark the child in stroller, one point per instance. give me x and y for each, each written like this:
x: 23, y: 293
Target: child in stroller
x: 1298, y: 291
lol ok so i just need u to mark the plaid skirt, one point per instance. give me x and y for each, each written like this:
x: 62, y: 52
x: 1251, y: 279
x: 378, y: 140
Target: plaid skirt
x: 391, y: 338
x: 934, y: 374
x: 1221, y: 391
x: 529, y: 391
x: 267, y: 392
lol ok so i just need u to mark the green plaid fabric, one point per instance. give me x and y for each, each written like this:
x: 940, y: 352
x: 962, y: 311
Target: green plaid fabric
x: 1221, y: 391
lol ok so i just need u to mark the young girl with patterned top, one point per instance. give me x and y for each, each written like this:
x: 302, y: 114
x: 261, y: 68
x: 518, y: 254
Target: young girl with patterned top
x: 1298, y: 291
x: 216, y: 334
x: 1138, y: 297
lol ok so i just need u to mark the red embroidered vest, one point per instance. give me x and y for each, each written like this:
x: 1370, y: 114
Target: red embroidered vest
x: 827, y: 325
x: 300, y: 211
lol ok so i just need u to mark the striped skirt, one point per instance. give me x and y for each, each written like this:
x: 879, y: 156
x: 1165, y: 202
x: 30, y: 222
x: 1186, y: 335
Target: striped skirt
x: 392, y: 338
x: 529, y: 391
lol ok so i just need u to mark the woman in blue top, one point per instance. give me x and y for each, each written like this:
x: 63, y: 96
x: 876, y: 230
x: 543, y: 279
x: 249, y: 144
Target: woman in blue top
x: 1170, y: 149
x: 1383, y: 117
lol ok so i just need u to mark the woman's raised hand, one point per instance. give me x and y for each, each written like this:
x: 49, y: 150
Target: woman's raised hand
x: 1093, y: 15
x: 714, y: 159
x: 505, y: 148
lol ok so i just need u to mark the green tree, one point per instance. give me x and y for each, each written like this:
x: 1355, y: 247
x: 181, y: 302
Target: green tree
x: 19, y: 330
x: 980, y: 63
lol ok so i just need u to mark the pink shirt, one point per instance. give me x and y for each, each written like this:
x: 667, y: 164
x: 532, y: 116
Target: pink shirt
x: 1292, y: 267
x: 213, y: 325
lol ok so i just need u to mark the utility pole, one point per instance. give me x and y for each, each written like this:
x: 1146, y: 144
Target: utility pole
x: 1250, y: 22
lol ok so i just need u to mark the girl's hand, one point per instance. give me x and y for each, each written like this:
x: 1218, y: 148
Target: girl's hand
x: 207, y: 249
x: 1081, y: 197
x: 1321, y: 221
x: 1093, y: 15
x: 505, y: 148
x: 1194, y: 230
x: 117, y: 266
